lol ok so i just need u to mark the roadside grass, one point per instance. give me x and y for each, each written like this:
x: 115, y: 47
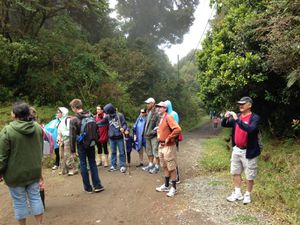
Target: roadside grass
x: 245, y: 219
x: 277, y: 187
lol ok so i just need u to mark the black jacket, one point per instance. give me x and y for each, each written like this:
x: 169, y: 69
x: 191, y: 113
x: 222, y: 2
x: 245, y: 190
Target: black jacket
x: 253, y: 148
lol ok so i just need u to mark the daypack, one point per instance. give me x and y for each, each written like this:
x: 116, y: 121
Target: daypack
x: 88, y: 135
x: 48, y: 144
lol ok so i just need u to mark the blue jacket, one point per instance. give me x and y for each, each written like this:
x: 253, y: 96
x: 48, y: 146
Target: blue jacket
x: 171, y: 112
x: 112, y: 120
x: 253, y: 148
x: 51, y: 127
x: 138, y: 129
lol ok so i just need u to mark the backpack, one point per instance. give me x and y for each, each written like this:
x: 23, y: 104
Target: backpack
x: 48, y: 144
x: 88, y: 135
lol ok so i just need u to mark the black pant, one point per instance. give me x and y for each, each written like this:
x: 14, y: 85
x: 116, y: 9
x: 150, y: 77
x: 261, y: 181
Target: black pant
x: 102, y: 146
x: 57, y: 156
x: 129, y: 157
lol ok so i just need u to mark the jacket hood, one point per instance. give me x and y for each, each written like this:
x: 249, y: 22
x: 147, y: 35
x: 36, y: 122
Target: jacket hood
x: 23, y: 127
x: 109, y: 109
x: 169, y: 104
x: 64, y: 111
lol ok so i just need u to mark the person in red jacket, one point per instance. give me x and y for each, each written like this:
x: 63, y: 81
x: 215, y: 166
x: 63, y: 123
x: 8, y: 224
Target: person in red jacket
x: 103, y: 138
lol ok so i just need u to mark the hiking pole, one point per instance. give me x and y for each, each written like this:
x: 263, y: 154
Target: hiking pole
x: 124, y: 141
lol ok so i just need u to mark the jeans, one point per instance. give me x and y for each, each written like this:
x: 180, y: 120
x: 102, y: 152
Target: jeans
x: 20, y: 196
x: 88, y: 153
x: 114, y: 143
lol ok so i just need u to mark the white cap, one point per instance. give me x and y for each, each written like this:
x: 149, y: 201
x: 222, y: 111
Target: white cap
x: 150, y: 100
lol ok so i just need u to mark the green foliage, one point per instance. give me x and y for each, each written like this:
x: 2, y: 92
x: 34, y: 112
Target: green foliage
x: 253, y: 50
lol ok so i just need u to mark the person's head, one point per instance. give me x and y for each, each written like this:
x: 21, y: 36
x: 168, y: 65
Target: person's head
x: 143, y: 112
x: 62, y: 112
x: 162, y: 108
x: 33, y: 114
x: 245, y: 104
x: 150, y: 103
x: 21, y: 111
x: 76, y: 105
x: 99, y: 109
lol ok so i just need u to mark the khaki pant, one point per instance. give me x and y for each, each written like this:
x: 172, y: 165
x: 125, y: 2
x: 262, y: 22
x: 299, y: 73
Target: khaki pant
x: 167, y: 156
x: 67, y: 161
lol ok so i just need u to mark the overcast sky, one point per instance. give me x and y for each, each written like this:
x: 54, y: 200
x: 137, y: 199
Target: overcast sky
x: 191, y: 39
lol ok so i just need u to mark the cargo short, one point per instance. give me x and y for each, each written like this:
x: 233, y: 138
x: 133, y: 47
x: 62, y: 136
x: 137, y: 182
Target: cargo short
x: 152, y: 147
x: 240, y: 163
x: 167, y: 156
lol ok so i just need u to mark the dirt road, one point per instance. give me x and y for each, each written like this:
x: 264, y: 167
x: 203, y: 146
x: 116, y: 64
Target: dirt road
x: 127, y: 199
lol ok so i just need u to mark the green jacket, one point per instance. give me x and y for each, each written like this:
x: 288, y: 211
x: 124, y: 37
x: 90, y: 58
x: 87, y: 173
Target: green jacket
x: 21, y: 145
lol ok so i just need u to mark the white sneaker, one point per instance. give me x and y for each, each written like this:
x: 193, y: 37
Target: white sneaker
x: 123, y: 169
x: 172, y: 192
x: 247, y: 199
x: 162, y: 188
x: 234, y: 197
x: 55, y: 167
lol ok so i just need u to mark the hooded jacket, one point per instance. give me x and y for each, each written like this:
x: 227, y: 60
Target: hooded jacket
x: 21, y: 146
x: 171, y: 112
x: 64, y: 125
x: 138, y: 129
x: 114, y: 121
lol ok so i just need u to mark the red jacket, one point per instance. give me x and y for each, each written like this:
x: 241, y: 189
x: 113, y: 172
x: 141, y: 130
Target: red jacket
x: 103, y: 131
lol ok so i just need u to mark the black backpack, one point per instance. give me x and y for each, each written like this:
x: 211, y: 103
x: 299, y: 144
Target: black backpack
x: 88, y: 135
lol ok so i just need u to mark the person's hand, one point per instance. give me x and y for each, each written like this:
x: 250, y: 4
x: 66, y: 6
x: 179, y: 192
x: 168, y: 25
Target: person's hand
x: 122, y: 129
x: 234, y: 116
x: 126, y: 132
x: 227, y: 114
x: 167, y: 140
x: 134, y: 137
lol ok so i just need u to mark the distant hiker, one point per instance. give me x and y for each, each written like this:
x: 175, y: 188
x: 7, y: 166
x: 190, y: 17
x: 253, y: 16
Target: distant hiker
x: 245, y: 147
x: 139, y: 139
x: 167, y: 132
x: 116, y: 127
x: 215, y: 121
x: 83, y: 133
x: 51, y: 127
x: 103, y: 138
x: 21, y: 144
x: 67, y: 159
x: 174, y: 114
x: 150, y: 134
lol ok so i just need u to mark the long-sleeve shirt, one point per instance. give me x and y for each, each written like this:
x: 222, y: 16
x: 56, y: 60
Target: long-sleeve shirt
x: 168, y: 129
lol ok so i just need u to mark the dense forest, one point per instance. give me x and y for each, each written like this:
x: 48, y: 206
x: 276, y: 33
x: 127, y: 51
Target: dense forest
x: 53, y: 51
x: 253, y: 49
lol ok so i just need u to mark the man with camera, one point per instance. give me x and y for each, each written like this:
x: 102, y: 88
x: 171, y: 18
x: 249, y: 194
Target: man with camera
x: 246, y: 147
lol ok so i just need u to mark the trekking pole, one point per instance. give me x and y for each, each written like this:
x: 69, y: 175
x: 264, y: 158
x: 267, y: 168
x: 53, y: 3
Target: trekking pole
x: 124, y: 141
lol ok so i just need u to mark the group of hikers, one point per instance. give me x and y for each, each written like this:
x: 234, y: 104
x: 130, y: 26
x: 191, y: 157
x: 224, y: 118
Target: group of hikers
x: 155, y: 132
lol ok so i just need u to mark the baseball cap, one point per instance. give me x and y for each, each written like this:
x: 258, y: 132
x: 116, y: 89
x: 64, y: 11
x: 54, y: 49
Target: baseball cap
x: 150, y: 100
x: 162, y: 104
x: 244, y: 100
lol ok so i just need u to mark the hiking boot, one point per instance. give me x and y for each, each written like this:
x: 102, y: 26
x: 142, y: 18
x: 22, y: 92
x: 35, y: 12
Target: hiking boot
x: 154, y: 170
x: 235, y: 197
x: 171, y: 192
x: 105, y: 160
x: 247, y: 199
x: 162, y: 188
x: 123, y: 169
x: 99, y: 189
x: 112, y: 169
x: 148, y: 168
x: 55, y: 167
x: 140, y: 165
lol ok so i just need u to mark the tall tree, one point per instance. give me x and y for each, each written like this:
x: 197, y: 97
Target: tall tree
x: 157, y: 21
